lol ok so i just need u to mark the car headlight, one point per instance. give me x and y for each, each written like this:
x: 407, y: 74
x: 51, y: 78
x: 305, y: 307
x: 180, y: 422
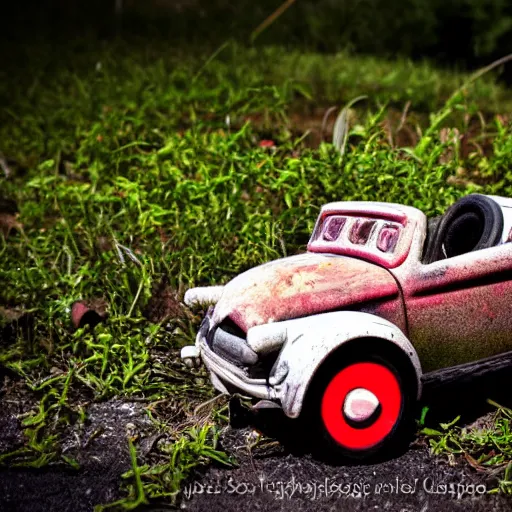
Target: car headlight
x: 266, y: 338
x: 203, y: 295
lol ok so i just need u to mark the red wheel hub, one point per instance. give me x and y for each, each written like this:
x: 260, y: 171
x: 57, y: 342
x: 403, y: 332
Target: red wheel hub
x: 376, y: 379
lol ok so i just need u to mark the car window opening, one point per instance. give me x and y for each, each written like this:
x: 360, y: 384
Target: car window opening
x: 360, y: 231
x: 333, y: 228
x: 388, y: 237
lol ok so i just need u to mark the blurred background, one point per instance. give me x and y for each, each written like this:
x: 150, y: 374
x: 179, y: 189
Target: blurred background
x: 465, y: 33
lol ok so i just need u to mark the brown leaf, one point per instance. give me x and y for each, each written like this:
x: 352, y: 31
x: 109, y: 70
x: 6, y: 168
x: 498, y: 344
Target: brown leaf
x: 8, y: 222
x: 472, y: 462
x: 459, y: 181
x: 503, y: 119
x: 103, y: 244
x: 10, y: 315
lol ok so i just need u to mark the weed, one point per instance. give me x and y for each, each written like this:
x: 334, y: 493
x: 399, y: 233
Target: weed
x: 194, y: 448
x: 486, y: 447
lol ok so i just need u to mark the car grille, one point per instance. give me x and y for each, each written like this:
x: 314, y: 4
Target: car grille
x: 229, y: 342
x: 263, y: 368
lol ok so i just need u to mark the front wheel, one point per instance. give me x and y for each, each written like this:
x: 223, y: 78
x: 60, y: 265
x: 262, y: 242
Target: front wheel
x: 360, y: 409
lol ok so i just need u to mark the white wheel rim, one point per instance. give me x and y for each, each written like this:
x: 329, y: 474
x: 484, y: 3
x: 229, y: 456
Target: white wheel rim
x: 360, y: 404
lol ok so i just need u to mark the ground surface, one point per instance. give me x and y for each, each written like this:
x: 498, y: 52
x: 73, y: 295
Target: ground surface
x: 412, y: 482
x: 268, y: 475
x: 101, y: 450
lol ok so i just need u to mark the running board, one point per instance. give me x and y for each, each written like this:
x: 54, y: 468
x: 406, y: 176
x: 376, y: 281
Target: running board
x: 467, y: 371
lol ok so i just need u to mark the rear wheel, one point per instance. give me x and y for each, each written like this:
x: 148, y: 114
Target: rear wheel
x: 360, y: 409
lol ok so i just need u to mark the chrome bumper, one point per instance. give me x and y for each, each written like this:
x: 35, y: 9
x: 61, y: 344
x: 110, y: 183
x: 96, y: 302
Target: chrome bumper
x: 228, y: 372
x: 223, y: 371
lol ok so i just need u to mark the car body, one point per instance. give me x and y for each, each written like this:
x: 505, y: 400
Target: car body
x: 380, y: 289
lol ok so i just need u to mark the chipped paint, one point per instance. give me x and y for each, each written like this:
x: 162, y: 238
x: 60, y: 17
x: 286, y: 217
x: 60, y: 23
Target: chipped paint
x: 302, y: 285
x: 458, y: 309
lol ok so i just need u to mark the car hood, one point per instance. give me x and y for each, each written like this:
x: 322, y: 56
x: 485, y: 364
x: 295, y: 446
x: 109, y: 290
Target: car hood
x: 299, y: 286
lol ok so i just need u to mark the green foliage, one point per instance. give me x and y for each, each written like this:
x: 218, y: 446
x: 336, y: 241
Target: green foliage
x: 132, y: 167
x: 483, y: 447
x: 194, y: 448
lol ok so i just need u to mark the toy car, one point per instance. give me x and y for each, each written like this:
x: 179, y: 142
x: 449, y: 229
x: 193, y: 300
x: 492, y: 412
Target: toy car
x: 342, y: 334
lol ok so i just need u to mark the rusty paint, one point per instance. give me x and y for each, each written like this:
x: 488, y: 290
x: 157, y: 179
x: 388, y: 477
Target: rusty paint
x: 488, y: 311
x: 462, y: 313
x: 300, y: 286
x: 388, y: 309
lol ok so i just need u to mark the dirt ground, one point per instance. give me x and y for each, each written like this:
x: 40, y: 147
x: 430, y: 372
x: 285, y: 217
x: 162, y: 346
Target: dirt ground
x: 270, y: 477
x: 412, y: 482
x: 100, y: 448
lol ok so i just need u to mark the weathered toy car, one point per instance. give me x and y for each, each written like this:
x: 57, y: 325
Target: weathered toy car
x: 336, y: 335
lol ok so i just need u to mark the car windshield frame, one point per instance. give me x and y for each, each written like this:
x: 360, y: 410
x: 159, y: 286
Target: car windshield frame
x: 360, y: 234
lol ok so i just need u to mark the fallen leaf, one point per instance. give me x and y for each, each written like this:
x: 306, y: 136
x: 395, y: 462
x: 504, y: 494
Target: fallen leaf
x: 8, y: 222
x: 472, y: 462
x: 10, y: 315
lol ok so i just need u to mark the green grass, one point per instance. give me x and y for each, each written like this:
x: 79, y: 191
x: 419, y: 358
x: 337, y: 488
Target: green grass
x: 138, y: 170
x: 194, y: 448
x: 486, y: 447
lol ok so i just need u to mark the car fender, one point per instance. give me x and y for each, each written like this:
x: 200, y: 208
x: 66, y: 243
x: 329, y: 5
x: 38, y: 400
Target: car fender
x: 310, y: 340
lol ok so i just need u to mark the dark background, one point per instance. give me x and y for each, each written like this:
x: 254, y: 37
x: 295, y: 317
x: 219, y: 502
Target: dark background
x: 462, y: 33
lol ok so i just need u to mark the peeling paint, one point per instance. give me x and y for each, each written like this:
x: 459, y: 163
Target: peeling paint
x: 302, y: 285
x: 461, y: 314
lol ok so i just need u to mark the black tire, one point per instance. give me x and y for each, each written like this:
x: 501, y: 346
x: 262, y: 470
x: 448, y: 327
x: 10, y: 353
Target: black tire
x: 472, y: 223
x: 388, y: 432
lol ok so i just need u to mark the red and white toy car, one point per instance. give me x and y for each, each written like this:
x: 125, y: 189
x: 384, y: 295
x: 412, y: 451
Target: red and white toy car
x: 342, y: 334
